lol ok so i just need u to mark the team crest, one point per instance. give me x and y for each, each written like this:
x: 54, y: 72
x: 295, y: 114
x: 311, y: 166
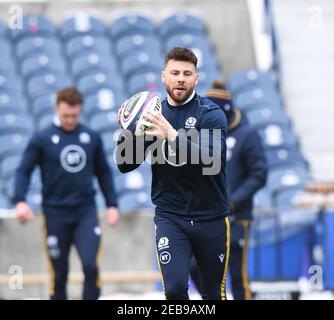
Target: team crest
x: 163, y: 243
x: 84, y: 137
x: 190, y: 123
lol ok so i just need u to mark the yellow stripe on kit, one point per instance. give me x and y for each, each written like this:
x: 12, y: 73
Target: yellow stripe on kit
x: 162, y: 277
x: 227, y: 257
x: 244, y: 272
x: 99, y: 262
x: 50, y: 265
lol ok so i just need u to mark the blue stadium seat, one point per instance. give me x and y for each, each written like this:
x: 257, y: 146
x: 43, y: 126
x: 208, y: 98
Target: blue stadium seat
x: 4, y: 201
x: 92, y: 83
x: 256, y: 96
x: 3, y: 30
x: 262, y: 117
x: 42, y: 64
x: 134, y: 42
x: 34, y: 25
x: 10, y: 84
x: 44, y: 104
x: 136, y: 180
x: 45, y: 120
x: 150, y: 81
x: 285, y: 199
x: 285, y: 178
x: 12, y: 102
x: 180, y: 23
x: 81, y: 24
x: 7, y: 66
x: 132, y: 202
x: 93, y: 63
x: 32, y: 46
x: 285, y: 157
x: 13, y: 123
x: 6, y: 50
x: 109, y: 141
x: 277, y: 136
x: 191, y: 41
x: 103, y: 100
x: 263, y: 200
x: 104, y: 121
x: 13, y: 143
x: 131, y: 24
x: 87, y: 44
x: 8, y: 165
x: 248, y: 78
x: 140, y: 62
x: 47, y: 83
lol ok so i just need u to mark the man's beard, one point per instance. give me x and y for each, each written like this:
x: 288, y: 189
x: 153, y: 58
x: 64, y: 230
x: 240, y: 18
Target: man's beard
x: 182, y: 97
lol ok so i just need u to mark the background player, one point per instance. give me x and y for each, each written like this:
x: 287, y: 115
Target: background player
x: 246, y: 173
x: 69, y: 156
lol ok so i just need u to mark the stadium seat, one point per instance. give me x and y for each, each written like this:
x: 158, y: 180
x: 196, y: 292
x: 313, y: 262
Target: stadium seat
x: 32, y: 46
x: 81, y: 24
x: 42, y: 64
x: 256, y: 96
x: 13, y: 143
x: 263, y: 200
x: 262, y: 117
x: 132, y: 202
x: 284, y: 199
x: 45, y: 120
x: 92, y: 83
x: 7, y: 66
x: 4, y: 201
x: 6, y: 50
x: 83, y: 45
x: 136, y: 180
x: 12, y: 102
x: 181, y: 23
x: 109, y: 140
x: 285, y: 178
x: 141, y: 61
x: 277, y: 136
x: 245, y: 79
x: 10, y: 84
x: 93, y: 63
x: 47, y: 84
x: 103, y: 100
x: 44, y: 104
x: 131, y: 24
x: 280, y: 157
x: 2, y: 30
x: 8, y: 165
x: 150, y: 81
x: 104, y: 121
x: 13, y: 123
x: 34, y: 25
x: 134, y: 42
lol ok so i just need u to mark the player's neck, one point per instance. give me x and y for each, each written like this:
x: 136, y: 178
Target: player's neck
x: 177, y: 104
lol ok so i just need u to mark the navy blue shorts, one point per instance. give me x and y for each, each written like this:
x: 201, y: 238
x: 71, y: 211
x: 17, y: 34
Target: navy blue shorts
x: 177, y: 240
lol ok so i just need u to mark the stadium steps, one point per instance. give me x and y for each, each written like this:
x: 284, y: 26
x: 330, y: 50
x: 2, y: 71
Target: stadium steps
x: 305, y: 36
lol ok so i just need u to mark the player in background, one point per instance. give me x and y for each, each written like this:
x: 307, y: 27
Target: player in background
x: 246, y: 173
x: 69, y: 156
x: 191, y: 206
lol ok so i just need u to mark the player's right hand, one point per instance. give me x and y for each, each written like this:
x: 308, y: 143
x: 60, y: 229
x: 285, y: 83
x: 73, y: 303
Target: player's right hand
x: 120, y: 112
x: 23, y: 212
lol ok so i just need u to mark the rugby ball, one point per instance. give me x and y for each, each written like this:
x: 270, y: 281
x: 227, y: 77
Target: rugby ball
x: 131, y: 116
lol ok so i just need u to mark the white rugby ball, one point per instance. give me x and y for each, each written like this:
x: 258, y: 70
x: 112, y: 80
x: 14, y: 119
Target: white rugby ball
x: 131, y: 117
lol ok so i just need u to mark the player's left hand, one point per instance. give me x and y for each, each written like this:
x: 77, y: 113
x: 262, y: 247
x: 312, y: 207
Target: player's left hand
x: 112, y: 216
x: 157, y: 125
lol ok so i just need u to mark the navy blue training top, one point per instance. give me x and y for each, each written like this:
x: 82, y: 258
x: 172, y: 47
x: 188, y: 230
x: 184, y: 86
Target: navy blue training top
x: 185, y: 190
x: 68, y: 162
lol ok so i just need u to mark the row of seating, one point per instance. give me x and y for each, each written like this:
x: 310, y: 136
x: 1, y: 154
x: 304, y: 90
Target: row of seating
x: 256, y: 94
